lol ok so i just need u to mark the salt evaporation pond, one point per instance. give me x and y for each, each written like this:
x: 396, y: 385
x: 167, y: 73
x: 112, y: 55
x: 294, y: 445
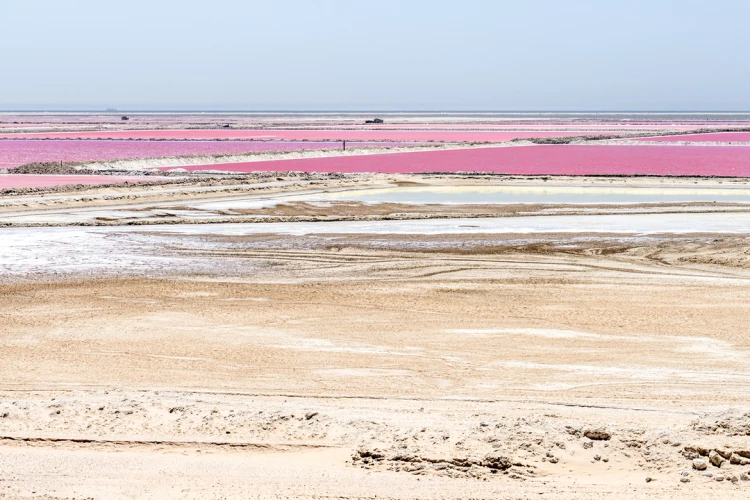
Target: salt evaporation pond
x: 531, y: 194
x: 677, y: 223
x: 311, y: 135
x: 704, y: 137
x: 662, y: 223
x: 565, y: 159
x: 17, y: 181
x: 479, y: 195
x: 18, y: 152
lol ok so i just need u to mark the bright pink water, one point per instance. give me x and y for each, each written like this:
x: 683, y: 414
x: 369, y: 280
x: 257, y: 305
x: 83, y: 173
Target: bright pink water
x: 712, y: 137
x: 32, y: 181
x: 731, y: 161
x: 18, y: 152
x: 311, y: 135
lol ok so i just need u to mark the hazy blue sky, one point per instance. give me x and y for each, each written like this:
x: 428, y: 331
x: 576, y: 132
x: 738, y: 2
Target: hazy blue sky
x: 375, y: 54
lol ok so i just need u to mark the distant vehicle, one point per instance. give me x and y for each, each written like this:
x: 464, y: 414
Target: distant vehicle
x: 124, y: 118
x: 375, y: 120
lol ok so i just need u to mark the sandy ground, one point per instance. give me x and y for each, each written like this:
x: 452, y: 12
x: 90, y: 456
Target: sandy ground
x: 388, y: 365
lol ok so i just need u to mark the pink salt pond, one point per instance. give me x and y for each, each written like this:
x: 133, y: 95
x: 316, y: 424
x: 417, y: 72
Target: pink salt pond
x: 11, y: 181
x: 707, y: 137
x: 725, y: 161
x: 312, y: 135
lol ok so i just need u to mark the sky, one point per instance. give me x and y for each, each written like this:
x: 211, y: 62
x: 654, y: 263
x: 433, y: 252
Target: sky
x: 467, y: 55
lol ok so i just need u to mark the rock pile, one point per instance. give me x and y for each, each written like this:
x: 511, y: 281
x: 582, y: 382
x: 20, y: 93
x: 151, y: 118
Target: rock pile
x: 456, y: 467
x: 732, y: 422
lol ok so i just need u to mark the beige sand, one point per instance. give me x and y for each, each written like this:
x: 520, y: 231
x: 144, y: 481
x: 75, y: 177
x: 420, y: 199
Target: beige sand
x: 570, y: 366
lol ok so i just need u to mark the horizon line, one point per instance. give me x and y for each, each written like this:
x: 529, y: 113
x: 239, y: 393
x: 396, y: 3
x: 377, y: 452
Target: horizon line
x: 403, y: 111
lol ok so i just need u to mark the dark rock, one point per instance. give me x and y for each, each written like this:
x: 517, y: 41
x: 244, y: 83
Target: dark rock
x: 715, y: 458
x: 598, y: 434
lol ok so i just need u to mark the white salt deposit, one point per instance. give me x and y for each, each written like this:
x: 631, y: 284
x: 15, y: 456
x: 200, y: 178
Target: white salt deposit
x: 143, y: 249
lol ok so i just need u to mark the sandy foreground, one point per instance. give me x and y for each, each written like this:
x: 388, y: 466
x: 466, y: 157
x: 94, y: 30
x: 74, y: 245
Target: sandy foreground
x: 178, y: 359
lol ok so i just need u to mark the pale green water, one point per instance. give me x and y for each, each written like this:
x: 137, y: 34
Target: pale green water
x: 542, y: 195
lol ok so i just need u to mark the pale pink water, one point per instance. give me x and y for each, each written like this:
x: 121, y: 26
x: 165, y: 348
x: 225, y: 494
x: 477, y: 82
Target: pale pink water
x: 733, y: 161
x: 17, y: 152
x: 708, y: 137
x: 312, y: 135
x: 33, y: 181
